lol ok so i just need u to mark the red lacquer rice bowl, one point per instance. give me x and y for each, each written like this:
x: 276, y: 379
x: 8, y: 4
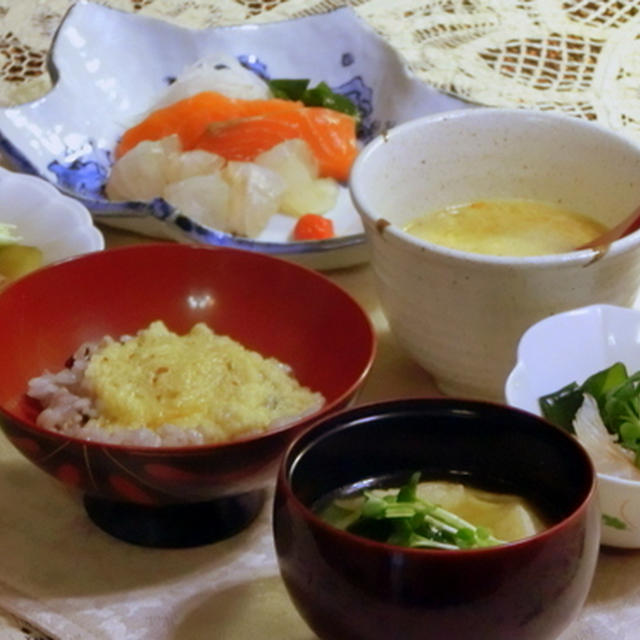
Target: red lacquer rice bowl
x: 157, y: 495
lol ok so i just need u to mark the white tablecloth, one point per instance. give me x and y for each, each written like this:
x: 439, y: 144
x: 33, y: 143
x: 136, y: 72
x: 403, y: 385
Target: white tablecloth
x: 61, y: 573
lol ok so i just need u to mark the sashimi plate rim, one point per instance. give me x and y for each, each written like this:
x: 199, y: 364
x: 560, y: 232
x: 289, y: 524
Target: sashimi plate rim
x: 67, y: 136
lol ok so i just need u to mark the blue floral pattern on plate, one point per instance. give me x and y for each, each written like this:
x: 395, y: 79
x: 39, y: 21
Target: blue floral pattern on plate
x: 67, y: 136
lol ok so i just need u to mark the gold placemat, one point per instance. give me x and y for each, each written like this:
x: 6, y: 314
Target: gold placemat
x: 581, y: 57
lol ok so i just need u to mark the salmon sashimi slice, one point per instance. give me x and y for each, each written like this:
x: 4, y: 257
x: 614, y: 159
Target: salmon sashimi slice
x: 190, y: 117
x: 241, y: 129
x: 329, y: 134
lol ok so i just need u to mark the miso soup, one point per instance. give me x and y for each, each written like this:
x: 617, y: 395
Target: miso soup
x: 441, y: 514
x: 506, y: 227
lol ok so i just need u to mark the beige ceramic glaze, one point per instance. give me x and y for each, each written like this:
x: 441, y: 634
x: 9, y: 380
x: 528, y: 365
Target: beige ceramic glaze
x: 460, y: 315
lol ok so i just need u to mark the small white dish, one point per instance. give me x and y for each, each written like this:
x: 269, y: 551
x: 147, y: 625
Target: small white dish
x: 569, y: 347
x: 59, y: 226
x: 109, y: 67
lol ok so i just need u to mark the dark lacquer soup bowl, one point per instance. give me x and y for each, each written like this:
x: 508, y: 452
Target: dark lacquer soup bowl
x: 181, y: 495
x: 348, y: 587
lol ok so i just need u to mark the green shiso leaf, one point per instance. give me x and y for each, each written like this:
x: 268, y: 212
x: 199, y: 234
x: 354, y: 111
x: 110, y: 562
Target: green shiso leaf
x: 319, y: 96
x: 288, y: 89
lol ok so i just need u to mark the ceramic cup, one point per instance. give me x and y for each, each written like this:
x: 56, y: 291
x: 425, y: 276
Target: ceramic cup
x: 459, y: 314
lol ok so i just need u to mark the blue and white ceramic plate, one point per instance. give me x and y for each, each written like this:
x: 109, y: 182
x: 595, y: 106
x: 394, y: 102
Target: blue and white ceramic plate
x: 108, y: 67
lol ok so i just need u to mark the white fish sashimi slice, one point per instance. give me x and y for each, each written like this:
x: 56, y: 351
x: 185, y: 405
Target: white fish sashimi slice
x: 205, y: 198
x: 316, y: 196
x: 295, y: 163
x: 193, y: 163
x: 254, y: 197
x: 141, y: 173
x: 607, y: 455
x: 220, y: 73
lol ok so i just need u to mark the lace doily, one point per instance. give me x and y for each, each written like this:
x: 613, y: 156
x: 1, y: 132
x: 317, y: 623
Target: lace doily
x: 581, y: 57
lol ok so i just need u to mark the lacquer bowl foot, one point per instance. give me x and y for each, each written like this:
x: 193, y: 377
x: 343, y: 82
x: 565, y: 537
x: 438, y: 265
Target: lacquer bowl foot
x: 176, y: 526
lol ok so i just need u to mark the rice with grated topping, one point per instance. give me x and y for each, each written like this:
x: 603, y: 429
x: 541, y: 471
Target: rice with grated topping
x: 160, y: 389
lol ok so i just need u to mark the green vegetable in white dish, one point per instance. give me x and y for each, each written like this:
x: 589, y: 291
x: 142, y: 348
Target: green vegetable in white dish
x: 617, y: 395
x: 604, y: 414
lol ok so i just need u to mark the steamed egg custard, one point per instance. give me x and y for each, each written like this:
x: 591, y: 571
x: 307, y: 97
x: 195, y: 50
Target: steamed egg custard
x: 506, y: 227
x: 200, y: 380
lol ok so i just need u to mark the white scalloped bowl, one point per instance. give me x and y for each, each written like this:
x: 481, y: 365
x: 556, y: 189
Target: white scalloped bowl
x: 569, y: 347
x: 59, y: 226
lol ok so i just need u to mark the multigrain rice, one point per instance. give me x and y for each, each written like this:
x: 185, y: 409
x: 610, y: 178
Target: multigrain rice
x: 70, y: 404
